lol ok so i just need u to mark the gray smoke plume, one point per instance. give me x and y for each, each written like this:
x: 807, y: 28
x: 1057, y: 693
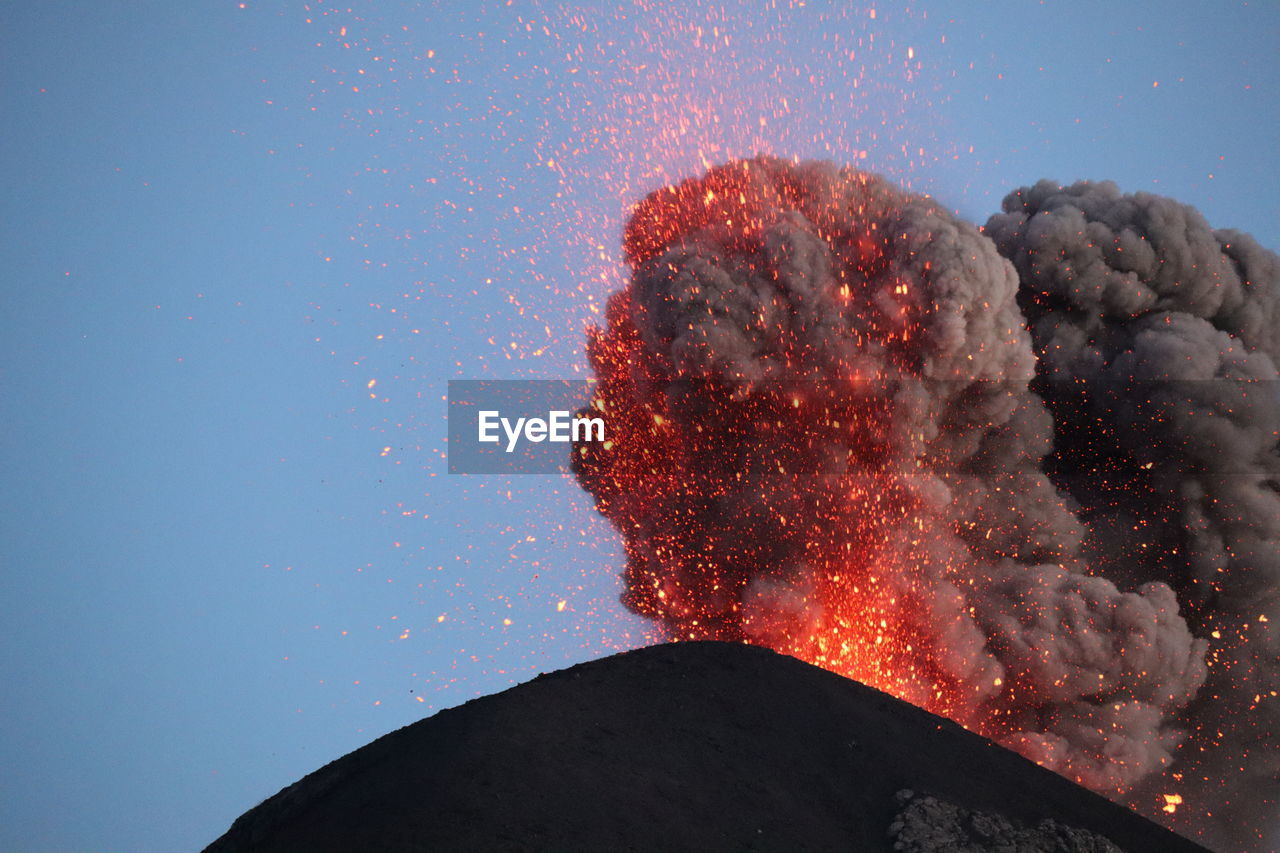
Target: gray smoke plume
x: 1158, y: 340
x: 822, y: 440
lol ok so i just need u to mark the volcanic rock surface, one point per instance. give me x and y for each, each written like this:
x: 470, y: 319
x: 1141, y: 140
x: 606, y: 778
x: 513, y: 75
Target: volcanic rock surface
x: 689, y: 746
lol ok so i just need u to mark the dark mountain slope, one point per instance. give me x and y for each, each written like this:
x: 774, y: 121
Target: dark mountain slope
x: 694, y: 746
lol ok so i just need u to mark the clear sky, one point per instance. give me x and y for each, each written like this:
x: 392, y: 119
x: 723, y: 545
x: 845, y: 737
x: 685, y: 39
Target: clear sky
x: 245, y: 245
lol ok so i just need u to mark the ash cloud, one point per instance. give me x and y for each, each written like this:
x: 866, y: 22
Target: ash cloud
x: 1158, y: 340
x: 824, y: 441
x: 1026, y: 479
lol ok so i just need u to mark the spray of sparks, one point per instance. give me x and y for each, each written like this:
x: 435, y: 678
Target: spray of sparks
x: 509, y: 139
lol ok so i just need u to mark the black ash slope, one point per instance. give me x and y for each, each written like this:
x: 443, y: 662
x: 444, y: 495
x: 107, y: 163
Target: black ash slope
x: 694, y: 746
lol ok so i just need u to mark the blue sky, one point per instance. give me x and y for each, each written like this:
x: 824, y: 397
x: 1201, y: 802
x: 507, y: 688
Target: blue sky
x: 226, y: 557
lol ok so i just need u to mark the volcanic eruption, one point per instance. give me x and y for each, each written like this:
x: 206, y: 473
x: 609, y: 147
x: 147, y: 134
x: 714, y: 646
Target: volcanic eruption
x: 846, y: 425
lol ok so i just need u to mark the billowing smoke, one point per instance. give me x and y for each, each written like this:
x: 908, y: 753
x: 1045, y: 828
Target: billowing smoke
x: 823, y: 439
x: 1158, y: 340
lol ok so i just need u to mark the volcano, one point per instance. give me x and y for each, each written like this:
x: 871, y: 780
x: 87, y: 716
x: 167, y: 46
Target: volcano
x: 689, y: 746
